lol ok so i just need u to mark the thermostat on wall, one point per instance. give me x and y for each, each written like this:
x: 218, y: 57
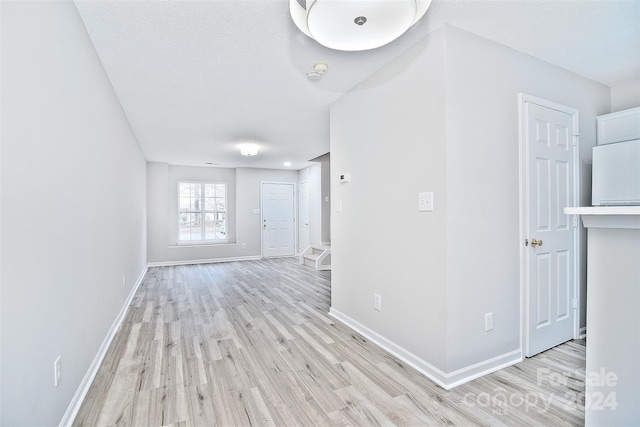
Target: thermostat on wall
x: 345, y: 177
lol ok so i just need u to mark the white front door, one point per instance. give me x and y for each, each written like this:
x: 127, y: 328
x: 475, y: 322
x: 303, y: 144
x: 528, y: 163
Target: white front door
x: 278, y: 232
x: 550, y: 148
x: 303, y: 215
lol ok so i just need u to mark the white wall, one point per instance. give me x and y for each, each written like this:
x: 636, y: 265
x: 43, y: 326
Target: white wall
x: 613, y: 345
x: 389, y: 134
x: 625, y: 96
x: 73, y: 208
x: 0, y: 217
x: 483, y: 81
x: 243, y: 188
x: 442, y: 117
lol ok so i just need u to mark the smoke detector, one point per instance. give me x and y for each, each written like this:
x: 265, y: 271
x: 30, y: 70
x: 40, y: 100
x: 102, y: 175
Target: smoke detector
x: 319, y: 69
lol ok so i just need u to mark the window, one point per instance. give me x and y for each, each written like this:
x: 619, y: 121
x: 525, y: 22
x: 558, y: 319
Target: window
x: 202, y: 212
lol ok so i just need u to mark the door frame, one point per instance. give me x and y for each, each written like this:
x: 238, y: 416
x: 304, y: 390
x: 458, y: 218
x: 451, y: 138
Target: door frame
x: 295, y: 215
x: 299, y: 248
x: 523, y: 211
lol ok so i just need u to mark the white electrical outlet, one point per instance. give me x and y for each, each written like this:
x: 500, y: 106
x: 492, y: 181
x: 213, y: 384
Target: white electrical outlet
x: 57, y: 371
x: 244, y: 246
x: 377, y: 302
x: 425, y: 202
x: 488, y: 321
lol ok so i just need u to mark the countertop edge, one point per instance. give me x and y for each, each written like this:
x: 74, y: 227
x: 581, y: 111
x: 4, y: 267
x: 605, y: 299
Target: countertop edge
x: 627, y: 217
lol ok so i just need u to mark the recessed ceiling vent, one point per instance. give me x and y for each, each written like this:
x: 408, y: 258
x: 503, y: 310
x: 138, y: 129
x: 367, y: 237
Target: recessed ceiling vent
x: 354, y: 25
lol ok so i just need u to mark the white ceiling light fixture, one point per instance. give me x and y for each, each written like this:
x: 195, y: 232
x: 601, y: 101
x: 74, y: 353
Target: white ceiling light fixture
x: 248, y: 149
x: 354, y: 25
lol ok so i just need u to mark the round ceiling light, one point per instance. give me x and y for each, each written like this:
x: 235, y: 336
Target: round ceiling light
x: 248, y: 149
x: 354, y: 25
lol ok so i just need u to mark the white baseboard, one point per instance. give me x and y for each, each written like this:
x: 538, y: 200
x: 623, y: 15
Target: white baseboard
x: 438, y: 376
x: 83, y: 388
x: 583, y: 333
x: 480, y: 369
x: 203, y: 261
x: 443, y: 379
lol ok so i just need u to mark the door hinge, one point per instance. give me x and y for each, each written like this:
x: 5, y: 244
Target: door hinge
x: 575, y: 303
x: 575, y: 139
x: 575, y: 221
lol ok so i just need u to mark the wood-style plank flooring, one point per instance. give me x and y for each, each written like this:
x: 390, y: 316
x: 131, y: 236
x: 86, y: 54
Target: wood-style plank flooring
x: 250, y: 343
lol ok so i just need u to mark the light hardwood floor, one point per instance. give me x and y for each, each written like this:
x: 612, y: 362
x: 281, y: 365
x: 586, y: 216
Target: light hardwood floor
x: 250, y: 343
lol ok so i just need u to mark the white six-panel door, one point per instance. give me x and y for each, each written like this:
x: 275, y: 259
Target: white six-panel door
x: 550, y: 234
x: 278, y: 225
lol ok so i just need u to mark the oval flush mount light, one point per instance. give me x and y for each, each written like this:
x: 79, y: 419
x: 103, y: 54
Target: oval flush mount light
x: 354, y: 25
x: 248, y: 149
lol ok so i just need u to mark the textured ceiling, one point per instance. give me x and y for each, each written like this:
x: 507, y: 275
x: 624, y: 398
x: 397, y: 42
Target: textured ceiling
x: 197, y: 78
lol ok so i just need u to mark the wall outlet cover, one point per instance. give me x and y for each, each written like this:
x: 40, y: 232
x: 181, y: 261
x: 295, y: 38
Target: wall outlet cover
x: 425, y: 202
x: 488, y: 321
x: 377, y: 302
x: 57, y: 371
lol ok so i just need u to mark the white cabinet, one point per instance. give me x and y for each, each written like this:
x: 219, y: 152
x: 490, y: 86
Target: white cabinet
x: 612, y: 392
x: 618, y: 127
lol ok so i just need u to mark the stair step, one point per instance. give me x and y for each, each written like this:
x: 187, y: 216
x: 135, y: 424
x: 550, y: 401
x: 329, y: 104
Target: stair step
x: 311, y: 259
x: 320, y: 247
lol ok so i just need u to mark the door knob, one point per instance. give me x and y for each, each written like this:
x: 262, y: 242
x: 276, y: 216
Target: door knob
x: 536, y: 242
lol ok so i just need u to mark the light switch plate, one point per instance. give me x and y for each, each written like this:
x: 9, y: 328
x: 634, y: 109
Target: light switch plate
x: 425, y: 202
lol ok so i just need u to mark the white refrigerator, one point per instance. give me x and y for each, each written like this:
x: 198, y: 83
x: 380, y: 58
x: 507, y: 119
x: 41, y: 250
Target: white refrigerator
x: 616, y: 174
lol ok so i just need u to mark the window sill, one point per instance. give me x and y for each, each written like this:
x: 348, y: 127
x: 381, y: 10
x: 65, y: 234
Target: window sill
x: 200, y: 244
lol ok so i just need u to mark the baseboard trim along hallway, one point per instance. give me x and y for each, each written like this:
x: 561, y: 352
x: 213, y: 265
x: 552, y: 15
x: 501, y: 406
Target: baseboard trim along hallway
x: 444, y: 380
x: 202, y: 261
x: 85, y: 384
